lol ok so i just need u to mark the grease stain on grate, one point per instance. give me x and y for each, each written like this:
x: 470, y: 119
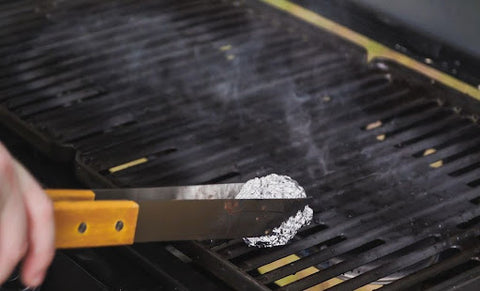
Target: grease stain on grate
x: 127, y: 165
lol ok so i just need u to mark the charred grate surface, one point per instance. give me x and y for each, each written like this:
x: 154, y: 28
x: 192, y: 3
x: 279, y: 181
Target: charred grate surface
x: 190, y: 92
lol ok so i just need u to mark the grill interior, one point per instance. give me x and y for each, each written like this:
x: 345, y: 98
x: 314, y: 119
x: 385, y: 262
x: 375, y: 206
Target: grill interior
x: 171, y: 93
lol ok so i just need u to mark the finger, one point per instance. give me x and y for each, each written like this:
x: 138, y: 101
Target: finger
x: 13, y: 221
x: 41, y: 230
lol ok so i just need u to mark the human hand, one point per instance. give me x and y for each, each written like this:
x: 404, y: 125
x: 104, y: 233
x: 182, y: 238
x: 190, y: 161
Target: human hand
x: 27, y: 231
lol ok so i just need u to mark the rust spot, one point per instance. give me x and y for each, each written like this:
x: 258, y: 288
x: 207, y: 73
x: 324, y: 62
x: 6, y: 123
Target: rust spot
x: 231, y: 206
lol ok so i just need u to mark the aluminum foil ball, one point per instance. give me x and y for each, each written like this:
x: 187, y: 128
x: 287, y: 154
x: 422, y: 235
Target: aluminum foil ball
x: 271, y: 187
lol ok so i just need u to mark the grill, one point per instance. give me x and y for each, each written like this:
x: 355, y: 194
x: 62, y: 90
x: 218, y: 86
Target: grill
x: 171, y: 93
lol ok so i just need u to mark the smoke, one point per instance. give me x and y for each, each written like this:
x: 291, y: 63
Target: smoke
x: 194, y: 68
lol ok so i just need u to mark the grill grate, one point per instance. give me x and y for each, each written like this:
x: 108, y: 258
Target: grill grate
x: 166, y: 93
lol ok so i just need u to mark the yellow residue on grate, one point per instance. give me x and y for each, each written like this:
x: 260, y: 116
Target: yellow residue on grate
x: 226, y: 47
x: 285, y: 261
x: 373, y: 125
x: 381, y: 137
x: 429, y: 151
x: 127, y: 165
x: 230, y: 57
x: 436, y: 164
x: 305, y: 273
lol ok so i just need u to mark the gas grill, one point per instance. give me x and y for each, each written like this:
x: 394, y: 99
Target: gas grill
x: 156, y: 93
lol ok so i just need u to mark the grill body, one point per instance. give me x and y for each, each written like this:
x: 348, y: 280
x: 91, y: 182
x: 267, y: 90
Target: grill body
x: 193, y: 92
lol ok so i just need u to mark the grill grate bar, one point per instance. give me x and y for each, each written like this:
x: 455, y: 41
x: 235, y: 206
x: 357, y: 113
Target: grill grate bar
x: 340, y: 268
x: 458, y: 282
x: 438, y: 268
x: 415, y: 212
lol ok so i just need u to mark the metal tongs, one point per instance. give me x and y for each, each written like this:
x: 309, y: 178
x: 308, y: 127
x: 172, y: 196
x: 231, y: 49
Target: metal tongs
x: 107, y: 217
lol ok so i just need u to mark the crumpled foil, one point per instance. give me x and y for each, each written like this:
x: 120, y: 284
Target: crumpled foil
x: 271, y: 187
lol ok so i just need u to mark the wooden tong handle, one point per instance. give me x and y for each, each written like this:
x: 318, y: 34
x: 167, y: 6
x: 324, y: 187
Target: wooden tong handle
x: 70, y: 194
x: 81, y: 221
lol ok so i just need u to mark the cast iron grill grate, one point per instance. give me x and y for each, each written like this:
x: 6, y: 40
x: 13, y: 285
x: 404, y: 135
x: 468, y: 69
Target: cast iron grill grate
x: 169, y: 93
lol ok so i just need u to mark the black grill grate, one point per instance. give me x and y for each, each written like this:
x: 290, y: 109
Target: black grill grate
x: 198, y: 92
